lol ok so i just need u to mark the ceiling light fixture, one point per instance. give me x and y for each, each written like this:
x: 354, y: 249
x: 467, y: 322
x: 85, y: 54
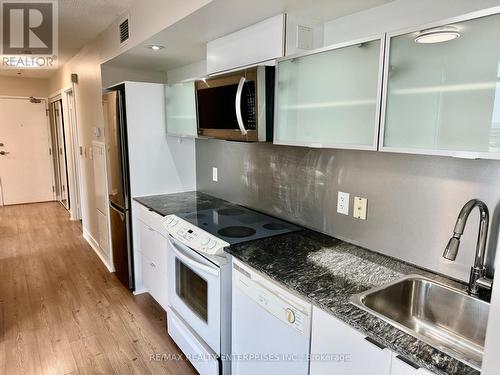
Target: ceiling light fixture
x: 156, y: 47
x: 437, y: 35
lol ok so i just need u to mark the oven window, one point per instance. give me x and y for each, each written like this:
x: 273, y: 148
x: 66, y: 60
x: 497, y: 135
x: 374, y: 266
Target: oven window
x: 191, y: 289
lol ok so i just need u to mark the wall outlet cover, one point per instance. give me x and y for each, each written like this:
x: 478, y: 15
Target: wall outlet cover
x: 343, y: 203
x: 359, y: 208
x: 215, y: 176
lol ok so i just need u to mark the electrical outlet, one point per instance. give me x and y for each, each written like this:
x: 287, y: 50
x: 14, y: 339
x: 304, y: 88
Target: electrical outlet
x: 343, y: 203
x: 359, y: 208
x: 215, y: 176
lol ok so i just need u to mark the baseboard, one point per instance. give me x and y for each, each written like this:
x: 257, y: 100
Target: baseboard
x: 95, y: 246
x: 140, y: 291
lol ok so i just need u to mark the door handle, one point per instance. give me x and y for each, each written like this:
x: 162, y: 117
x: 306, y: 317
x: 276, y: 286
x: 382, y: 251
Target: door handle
x: 4, y: 153
x: 1, y: 145
x: 121, y: 214
x: 190, y: 261
x: 239, y: 118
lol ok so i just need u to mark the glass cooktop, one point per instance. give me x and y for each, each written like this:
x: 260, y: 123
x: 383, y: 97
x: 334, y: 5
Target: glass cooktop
x: 236, y: 224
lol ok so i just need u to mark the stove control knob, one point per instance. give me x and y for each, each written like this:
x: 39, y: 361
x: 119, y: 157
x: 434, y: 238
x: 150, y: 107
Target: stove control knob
x: 290, y: 316
x: 169, y: 219
x: 174, y: 223
x: 205, y: 241
x: 211, y: 244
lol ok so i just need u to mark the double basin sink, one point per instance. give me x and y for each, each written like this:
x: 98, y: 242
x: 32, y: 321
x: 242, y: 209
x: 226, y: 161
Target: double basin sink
x: 443, y: 317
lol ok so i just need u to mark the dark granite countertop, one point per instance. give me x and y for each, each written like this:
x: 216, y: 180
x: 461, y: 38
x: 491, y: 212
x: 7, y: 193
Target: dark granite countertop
x: 186, y: 202
x: 328, y: 271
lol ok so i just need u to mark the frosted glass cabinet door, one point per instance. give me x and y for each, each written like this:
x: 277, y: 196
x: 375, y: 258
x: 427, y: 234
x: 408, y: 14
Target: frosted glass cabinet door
x: 444, y: 98
x: 181, y: 109
x: 330, y: 98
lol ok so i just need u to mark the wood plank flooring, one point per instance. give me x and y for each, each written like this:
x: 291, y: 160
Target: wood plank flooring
x: 62, y: 312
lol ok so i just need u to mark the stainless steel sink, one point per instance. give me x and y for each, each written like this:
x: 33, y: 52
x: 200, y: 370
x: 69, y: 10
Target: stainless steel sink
x: 443, y: 317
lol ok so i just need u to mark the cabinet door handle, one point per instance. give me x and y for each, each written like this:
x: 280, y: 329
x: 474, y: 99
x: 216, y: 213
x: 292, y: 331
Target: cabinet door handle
x: 152, y: 265
x: 408, y: 362
x: 375, y: 342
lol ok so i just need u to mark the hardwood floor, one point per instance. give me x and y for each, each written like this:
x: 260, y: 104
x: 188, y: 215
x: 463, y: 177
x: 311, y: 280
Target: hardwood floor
x: 62, y: 312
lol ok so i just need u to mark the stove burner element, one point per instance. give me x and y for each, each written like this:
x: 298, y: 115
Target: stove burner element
x: 236, y: 232
x: 195, y: 216
x: 230, y: 211
x: 275, y: 226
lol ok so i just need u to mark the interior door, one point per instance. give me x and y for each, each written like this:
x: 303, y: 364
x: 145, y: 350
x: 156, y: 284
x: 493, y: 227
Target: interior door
x: 26, y: 173
x: 60, y: 153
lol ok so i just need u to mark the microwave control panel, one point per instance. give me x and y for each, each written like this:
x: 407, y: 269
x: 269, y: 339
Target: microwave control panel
x: 249, y: 107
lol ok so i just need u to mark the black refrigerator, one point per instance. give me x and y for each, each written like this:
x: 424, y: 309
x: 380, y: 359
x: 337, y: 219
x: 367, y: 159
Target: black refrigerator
x: 119, y: 185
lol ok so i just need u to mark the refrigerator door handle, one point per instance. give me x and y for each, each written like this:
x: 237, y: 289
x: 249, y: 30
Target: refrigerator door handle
x: 118, y: 211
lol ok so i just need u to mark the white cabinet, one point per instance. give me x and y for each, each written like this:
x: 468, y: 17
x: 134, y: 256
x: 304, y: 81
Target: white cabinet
x: 337, y: 348
x: 330, y: 97
x: 260, y: 42
x: 444, y: 98
x: 401, y: 367
x: 180, y: 101
x: 152, y: 247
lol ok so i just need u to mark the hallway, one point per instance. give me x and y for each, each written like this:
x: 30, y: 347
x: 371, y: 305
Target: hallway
x: 62, y: 312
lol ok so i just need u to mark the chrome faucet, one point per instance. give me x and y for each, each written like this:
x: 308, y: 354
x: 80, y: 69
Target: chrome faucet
x: 477, y: 280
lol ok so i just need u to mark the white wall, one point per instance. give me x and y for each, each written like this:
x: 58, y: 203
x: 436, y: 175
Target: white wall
x: 187, y: 72
x: 112, y: 75
x: 396, y: 15
x: 147, y: 17
x: 21, y: 86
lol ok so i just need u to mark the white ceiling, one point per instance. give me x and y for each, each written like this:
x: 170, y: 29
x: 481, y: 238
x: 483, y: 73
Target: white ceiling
x: 80, y: 21
x: 185, y: 41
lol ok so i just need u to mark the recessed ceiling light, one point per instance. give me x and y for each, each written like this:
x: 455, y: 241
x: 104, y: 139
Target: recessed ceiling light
x: 438, y: 35
x: 156, y: 47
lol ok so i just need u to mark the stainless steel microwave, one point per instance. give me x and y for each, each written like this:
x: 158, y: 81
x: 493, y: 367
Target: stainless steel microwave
x: 237, y: 106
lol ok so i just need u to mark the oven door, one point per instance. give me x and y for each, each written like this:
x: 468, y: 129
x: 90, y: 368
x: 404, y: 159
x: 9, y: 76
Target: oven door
x: 227, y: 106
x: 194, y: 291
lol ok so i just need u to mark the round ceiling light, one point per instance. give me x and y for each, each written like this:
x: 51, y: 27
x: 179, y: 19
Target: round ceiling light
x: 156, y: 47
x: 437, y: 35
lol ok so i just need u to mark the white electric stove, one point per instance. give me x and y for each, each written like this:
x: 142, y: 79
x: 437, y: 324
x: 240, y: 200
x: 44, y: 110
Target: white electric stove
x: 199, y: 278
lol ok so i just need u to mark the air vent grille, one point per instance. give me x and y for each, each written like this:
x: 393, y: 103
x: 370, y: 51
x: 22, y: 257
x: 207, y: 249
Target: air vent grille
x: 124, y: 31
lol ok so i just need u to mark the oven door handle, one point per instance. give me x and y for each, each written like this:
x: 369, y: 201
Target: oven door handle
x: 179, y: 253
x: 239, y: 118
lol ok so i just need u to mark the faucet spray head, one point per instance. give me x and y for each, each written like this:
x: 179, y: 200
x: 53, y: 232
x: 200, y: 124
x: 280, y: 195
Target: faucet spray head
x: 451, y: 250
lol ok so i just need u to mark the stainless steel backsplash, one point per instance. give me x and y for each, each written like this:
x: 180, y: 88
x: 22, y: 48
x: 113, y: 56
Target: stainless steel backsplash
x: 413, y: 200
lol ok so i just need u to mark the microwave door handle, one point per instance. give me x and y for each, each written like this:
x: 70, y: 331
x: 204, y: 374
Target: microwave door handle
x: 239, y: 118
x: 190, y: 261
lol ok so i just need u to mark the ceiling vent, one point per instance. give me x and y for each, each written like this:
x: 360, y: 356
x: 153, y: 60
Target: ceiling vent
x: 124, y: 31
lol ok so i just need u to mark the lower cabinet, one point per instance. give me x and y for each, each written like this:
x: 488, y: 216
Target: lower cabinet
x: 401, y: 367
x: 337, y: 348
x: 153, y: 249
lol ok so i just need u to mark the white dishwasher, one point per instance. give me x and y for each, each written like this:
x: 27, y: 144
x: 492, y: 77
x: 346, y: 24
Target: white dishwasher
x: 270, y: 326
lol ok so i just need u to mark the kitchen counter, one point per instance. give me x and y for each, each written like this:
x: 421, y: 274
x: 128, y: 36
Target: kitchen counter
x: 327, y: 272
x: 176, y: 203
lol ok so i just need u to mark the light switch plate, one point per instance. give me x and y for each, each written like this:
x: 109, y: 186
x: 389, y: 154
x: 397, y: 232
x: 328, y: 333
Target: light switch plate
x: 359, y: 208
x: 343, y: 203
x: 215, y: 176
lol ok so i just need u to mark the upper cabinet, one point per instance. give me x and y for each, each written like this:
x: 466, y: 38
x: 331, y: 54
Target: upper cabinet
x: 443, y: 90
x: 181, y: 109
x: 330, y: 97
x: 255, y: 44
